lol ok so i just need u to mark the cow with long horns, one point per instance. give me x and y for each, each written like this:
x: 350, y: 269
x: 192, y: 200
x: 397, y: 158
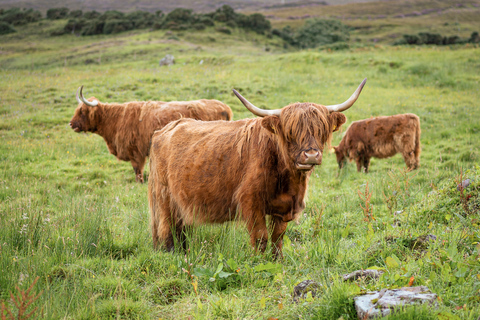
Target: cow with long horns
x: 127, y: 128
x: 212, y: 172
x: 381, y: 137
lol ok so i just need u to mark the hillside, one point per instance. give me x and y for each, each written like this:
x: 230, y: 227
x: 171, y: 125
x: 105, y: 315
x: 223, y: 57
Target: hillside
x: 386, y: 21
x: 73, y: 217
x: 166, y: 6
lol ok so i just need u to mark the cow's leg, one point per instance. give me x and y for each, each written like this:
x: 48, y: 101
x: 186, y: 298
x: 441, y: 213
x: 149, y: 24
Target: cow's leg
x: 407, y: 149
x: 279, y: 227
x: 163, y: 221
x: 138, y: 164
x: 366, y: 163
x: 257, y: 227
x: 359, y: 161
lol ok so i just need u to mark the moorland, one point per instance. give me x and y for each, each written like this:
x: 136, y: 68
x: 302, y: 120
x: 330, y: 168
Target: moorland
x: 73, y: 217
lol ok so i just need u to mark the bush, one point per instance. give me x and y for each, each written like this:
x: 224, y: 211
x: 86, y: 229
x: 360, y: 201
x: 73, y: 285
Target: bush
x: 225, y: 14
x: 6, y: 28
x: 73, y: 26
x: 75, y: 14
x: 474, y: 37
x: 451, y: 40
x: 17, y: 17
x: 411, y: 39
x: 89, y: 15
x: 142, y: 19
x: 430, y: 38
x: 57, y: 13
x: 112, y: 15
x: 255, y: 22
x: 179, y: 16
x: 224, y: 30
x: 92, y: 27
x: 117, y: 26
x: 321, y: 32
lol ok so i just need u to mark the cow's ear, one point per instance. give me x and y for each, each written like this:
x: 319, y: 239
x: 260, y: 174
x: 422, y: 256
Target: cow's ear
x: 336, y: 120
x: 271, y: 123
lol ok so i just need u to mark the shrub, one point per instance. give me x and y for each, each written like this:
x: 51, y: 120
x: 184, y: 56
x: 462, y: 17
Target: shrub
x: 430, y: 38
x: 92, y: 27
x: 111, y: 15
x: 91, y: 15
x: 179, y: 16
x: 17, y: 17
x: 6, y: 28
x: 224, y: 30
x: 57, y: 13
x: 320, y: 32
x: 74, y: 26
x: 225, y: 14
x: 116, y: 26
x: 206, y: 21
x: 142, y: 19
x: 451, y: 40
x: 255, y: 22
x: 474, y: 37
x: 75, y: 14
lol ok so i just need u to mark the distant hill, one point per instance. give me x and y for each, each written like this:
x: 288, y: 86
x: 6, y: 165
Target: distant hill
x: 166, y: 5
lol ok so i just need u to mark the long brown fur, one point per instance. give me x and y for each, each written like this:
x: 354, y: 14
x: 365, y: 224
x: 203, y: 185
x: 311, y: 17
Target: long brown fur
x: 212, y: 172
x: 381, y: 137
x: 127, y: 128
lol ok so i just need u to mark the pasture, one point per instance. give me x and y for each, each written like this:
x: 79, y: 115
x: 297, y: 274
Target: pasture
x: 72, y: 215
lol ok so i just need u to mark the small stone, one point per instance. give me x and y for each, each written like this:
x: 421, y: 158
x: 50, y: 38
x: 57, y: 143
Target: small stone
x: 367, y: 273
x: 167, y: 61
x: 464, y: 184
x: 301, y: 290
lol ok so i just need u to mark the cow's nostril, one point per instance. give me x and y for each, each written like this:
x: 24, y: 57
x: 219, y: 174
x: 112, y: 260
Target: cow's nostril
x: 312, y: 154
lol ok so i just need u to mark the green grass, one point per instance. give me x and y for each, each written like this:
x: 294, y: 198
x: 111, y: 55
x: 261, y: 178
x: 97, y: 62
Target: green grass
x: 71, y: 214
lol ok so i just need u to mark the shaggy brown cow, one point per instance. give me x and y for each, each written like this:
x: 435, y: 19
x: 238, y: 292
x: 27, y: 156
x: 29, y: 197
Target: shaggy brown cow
x: 207, y: 172
x: 381, y: 137
x: 128, y: 128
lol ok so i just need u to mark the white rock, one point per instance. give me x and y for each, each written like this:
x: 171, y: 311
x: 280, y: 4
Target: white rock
x: 381, y: 303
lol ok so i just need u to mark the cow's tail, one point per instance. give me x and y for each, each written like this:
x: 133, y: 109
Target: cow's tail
x: 152, y: 196
x: 417, y: 149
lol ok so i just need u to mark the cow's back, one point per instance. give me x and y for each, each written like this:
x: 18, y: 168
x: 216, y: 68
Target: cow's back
x: 198, y: 163
x: 383, y: 136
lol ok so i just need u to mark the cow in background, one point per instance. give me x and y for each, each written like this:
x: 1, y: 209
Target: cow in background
x: 381, y: 137
x: 127, y: 128
x: 212, y: 172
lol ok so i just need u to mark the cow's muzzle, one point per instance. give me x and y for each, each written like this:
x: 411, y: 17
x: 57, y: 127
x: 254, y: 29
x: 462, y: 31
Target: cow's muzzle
x: 308, y: 159
x: 75, y: 127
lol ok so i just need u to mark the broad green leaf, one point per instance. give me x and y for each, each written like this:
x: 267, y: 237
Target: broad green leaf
x: 262, y: 303
x: 445, y: 315
x: 273, y: 268
x: 232, y: 264
x: 391, y: 262
x: 223, y: 274
x: 219, y: 268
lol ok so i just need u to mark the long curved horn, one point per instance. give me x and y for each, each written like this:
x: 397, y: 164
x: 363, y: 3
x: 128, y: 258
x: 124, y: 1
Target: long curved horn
x: 257, y: 111
x: 347, y: 104
x: 81, y: 99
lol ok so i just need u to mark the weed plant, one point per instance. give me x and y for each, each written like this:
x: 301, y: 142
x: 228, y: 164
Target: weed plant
x: 72, y: 215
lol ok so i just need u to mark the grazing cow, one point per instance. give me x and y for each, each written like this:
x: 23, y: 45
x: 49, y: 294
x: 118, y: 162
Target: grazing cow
x: 381, y: 137
x: 128, y: 128
x: 208, y: 172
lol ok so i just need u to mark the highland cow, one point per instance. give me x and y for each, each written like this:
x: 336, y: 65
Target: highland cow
x: 127, y: 128
x: 212, y: 172
x: 381, y: 137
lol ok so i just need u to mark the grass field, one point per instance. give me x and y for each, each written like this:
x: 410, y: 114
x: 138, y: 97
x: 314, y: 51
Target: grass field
x: 72, y: 215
